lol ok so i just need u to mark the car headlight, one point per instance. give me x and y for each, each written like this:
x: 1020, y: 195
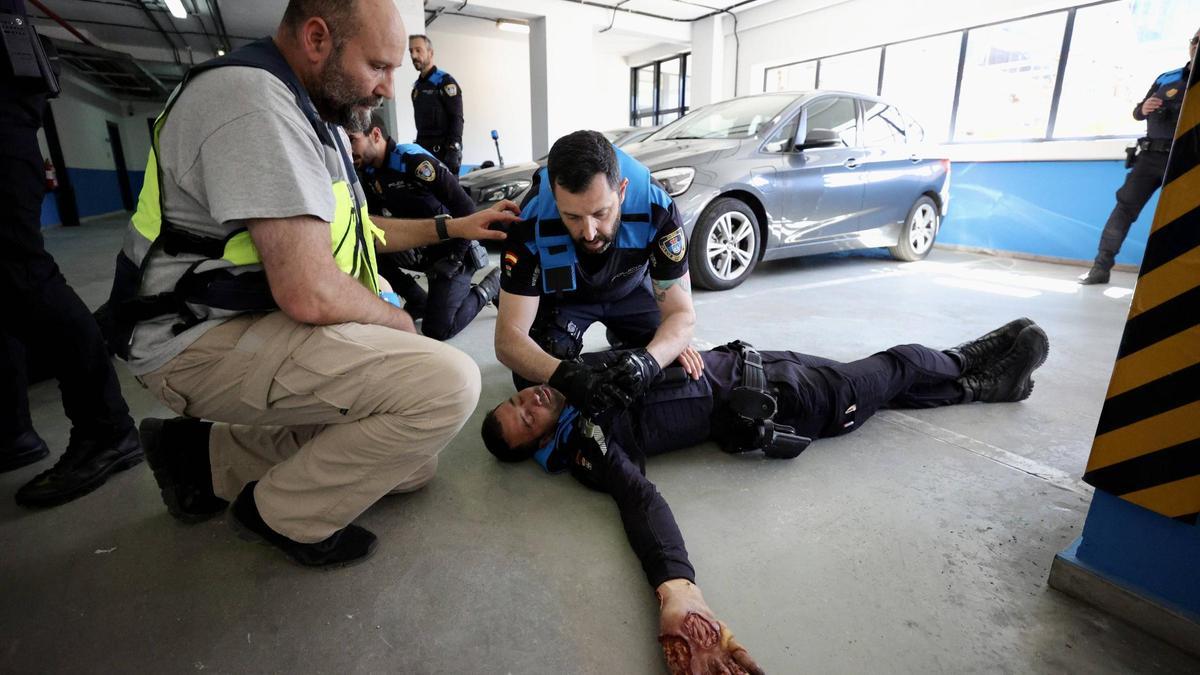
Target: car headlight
x: 504, y: 191
x: 675, y: 181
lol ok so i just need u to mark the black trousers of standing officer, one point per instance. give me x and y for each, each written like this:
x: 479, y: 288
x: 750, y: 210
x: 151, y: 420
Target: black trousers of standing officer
x: 450, y: 303
x: 42, y: 314
x: 1143, y: 179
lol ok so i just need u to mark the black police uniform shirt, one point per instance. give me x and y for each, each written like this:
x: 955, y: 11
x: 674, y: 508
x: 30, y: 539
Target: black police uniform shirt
x: 607, y: 276
x: 438, y: 109
x: 1169, y: 87
x: 412, y: 183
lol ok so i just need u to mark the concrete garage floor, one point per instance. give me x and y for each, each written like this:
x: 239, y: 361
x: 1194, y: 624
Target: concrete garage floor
x: 919, y: 544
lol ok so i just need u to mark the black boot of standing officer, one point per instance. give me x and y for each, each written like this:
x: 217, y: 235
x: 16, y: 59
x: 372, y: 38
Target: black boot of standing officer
x: 40, y: 311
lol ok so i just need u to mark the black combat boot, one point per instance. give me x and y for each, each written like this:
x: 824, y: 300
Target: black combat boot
x: 981, y: 351
x: 1008, y: 378
x: 85, y: 465
x: 347, y: 546
x: 1100, y: 272
x: 177, y: 451
x: 489, y: 287
x: 24, y: 450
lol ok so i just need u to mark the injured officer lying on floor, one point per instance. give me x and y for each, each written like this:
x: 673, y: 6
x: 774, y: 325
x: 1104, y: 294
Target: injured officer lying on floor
x: 776, y: 402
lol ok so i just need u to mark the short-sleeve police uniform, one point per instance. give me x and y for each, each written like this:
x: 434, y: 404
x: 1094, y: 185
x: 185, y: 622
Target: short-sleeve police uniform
x: 579, y: 288
x: 438, y: 108
x: 412, y: 183
x: 1146, y: 176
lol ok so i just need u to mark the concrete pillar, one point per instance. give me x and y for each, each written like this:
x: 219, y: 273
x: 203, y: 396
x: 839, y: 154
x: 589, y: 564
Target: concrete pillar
x: 560, y: 52
x: 399, y: 111
x: 707, y: 63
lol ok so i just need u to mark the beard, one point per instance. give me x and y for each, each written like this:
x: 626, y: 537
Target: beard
x: 336, y: 97
x: 601, y: 238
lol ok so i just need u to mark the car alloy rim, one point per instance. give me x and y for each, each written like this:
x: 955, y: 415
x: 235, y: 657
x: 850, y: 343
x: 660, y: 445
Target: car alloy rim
x: 731, y: 246
x: 922, y: 229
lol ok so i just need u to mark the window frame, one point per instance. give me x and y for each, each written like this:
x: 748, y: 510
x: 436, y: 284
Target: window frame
x: 657, y: 111
x: 965, y: 33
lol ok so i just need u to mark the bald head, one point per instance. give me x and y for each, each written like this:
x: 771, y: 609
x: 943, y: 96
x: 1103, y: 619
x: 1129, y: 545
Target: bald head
x: 344, y: 51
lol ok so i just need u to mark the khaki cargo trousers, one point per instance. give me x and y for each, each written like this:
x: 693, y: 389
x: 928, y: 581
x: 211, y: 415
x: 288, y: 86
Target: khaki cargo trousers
x: 327, y: 419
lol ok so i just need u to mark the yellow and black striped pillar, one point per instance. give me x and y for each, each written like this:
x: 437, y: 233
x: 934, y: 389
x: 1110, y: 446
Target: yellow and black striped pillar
x: 1147, y: 447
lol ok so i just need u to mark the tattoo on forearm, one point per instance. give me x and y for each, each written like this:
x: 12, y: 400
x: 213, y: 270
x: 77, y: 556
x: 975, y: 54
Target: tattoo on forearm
x: 661, y: 287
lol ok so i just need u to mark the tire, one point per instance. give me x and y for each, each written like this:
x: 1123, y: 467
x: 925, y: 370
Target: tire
x: 724, y: 245
x: 919, y: 232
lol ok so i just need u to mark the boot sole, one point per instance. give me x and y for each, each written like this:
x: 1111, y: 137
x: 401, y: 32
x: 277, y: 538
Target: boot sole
x: 246, y: 534
x: 149, y: 432
x: 1027, y: 376
x: 129, y: 461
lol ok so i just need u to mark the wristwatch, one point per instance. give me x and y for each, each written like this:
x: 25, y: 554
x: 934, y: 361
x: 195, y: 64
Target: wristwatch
x: 439, y: 223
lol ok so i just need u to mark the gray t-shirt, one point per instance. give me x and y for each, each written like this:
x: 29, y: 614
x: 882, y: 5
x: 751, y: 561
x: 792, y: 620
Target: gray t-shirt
x: 235, y: 146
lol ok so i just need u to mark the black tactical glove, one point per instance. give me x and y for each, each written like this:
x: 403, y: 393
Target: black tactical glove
x: 587, y: 389
x: 633, y: 373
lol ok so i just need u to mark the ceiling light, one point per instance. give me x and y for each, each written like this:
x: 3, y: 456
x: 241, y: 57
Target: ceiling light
x: 176, y: 8
x: 513, y: 26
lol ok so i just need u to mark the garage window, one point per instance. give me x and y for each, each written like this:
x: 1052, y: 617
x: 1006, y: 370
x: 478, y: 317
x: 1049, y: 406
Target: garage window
x: 659, y: 92
x: 920, y: 77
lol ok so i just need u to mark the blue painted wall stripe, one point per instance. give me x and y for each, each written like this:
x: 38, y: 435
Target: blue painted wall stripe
x: 1055, y: 209
x: 96, y: 191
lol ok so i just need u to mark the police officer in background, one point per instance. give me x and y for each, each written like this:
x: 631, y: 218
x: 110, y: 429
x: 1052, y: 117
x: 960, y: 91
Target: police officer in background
x: 437, y: 106
x: 598, y: 234
x: 404, y: 181
x: 42, y: 314
x: 1160, y: 110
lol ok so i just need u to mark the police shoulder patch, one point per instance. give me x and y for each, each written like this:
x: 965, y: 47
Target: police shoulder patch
x: 426, y: 172
x: 414, y: 94
x: 510, y: 261
x: 673, y: 245
x: 1171, y: 93
x: 451, y: 89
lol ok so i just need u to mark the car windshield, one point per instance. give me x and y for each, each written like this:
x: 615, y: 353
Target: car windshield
x: 736, y: 118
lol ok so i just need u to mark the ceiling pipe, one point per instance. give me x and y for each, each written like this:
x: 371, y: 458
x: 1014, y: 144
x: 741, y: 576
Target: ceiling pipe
x: 62, y: 22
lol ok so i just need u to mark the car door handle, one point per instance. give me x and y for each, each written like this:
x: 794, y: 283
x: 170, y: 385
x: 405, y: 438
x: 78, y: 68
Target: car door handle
x: 851, y: 163
x: 914, y: 158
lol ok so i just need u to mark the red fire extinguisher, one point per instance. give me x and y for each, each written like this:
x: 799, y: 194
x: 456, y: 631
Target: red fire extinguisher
x: 51, y: 176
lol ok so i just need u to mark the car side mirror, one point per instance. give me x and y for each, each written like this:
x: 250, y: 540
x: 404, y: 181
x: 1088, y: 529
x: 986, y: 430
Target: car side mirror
x: 820, y: 138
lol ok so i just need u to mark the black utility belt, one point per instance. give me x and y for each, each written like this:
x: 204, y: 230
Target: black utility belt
x: 1154, y: 145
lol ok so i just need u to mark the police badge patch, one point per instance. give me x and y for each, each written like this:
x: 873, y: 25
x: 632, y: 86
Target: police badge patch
x: 425, y: 171
x: 673, y: 246
x: 451, y: 89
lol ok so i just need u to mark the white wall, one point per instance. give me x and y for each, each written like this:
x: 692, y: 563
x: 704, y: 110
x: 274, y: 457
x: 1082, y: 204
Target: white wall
x: 492, y: 67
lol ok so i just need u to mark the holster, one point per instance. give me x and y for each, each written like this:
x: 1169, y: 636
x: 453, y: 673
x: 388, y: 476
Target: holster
x: 754, y: 405
x: 1130, y: 156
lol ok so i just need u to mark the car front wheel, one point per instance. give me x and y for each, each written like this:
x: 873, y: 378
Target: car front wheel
x: 919, y: 232
x: 724, y: 245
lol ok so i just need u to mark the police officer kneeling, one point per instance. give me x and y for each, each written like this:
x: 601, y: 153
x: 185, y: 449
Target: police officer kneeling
x: 799, y: 396
x: 598, y: 234
x: 247, y: 293
x: 405, y: 181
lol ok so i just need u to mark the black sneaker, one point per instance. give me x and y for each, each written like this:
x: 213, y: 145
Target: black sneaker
x: 349, y: 545
x: 177, y: 452
x: 84, y: 466
x: 489, y: 287
x: 1008, y: 378
x: 983, y: 350
x: 23, y: 451
x: 1095, y: 276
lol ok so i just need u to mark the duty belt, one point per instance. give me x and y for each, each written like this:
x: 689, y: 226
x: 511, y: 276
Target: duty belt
x: 756, y: 406
x: 1154, y: 144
